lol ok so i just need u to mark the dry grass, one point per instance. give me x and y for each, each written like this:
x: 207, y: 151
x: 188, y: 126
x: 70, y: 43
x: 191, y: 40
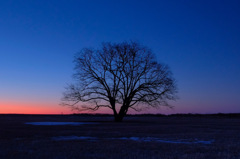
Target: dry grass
x: 21, y: 141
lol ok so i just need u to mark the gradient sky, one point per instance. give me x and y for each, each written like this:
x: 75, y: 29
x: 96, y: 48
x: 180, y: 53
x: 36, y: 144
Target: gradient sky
x: 199, y: 40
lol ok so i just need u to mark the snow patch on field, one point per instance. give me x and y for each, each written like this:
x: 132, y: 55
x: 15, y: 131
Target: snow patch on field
x: 59, y: 123
x: 183, y: 141
x: 139, y: 139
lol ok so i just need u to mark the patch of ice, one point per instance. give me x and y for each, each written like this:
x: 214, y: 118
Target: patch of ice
x: 204, y: 142
x: 140, y: 139
x: 149, y: 139
x: 135, y: 138
x: 59, y: 123
x: 60, y: 138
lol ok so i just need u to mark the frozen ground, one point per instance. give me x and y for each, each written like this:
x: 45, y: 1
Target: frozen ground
x: 60, y: 123
x: 59, y: 138
x: 97, y: 137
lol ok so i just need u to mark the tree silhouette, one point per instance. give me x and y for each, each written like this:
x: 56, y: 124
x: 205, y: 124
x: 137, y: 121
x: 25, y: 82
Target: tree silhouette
x: 119, y: 76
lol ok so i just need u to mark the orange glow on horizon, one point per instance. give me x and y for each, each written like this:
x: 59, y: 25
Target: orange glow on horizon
x: 54, y: 108
x: 32, y: 108
x: 40, y: 108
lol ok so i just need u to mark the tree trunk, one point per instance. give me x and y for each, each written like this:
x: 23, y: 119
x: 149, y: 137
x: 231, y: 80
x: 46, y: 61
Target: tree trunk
x: 118, y: 117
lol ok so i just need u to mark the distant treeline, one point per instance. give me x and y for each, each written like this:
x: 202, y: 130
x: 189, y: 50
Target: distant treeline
x: 229, y: 115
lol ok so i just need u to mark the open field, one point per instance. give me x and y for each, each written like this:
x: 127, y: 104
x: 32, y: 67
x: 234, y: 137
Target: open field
x: 138, y: 137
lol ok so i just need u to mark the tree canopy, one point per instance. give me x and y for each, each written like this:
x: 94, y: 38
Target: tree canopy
x: 119, y: 76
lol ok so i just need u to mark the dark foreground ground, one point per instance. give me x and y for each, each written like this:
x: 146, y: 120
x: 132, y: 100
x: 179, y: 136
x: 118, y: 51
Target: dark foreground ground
x: 19, y: 140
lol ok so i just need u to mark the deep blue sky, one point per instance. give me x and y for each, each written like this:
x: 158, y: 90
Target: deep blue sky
x: 199, y: 40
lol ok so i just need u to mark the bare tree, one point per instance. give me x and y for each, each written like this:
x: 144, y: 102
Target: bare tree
x: 119, y: 76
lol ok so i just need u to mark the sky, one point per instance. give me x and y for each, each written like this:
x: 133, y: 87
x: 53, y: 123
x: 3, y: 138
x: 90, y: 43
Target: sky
x: 199, y: 40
